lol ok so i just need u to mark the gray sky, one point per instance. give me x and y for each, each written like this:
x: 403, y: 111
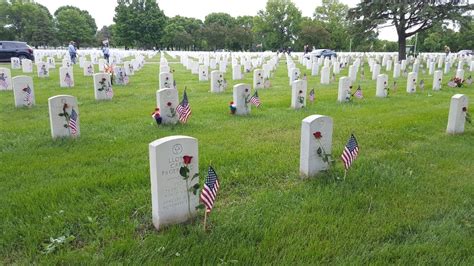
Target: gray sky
x: 103, y: 10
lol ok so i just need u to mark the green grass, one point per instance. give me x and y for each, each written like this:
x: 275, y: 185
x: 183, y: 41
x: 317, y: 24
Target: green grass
x: 408, y: 199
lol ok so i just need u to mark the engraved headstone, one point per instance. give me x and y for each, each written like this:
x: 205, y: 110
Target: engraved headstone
x: 344, y: 90
x: 236, y: 72
x: 411, y: 82
x: 88, y: 68
x: 23, y: 91
x: 315, y: 145
x: 295, y: 75
x: 172, y: 200
x: 64, y: 116
x: 298, y: 94
x: 325, y: 75
x: 166, y: 81
x: 15, y: 63
x: 241, y: 98
x: 5, y: 79
x: 42, y: 70
x: 66, y: 77
x: 167, y: 101
x: 27, y: 65
x: 460, y: 74
x: 396, y: 70
x: 258, y: 81
x: 375, y: 71
x: 457, y: 114
x: 103, y: 87
x: 437, y: 80
x: 217, y: 81
x: 120, y: 77
x: 203, y: 73
x: 381, y: 89
x: 315, y: 69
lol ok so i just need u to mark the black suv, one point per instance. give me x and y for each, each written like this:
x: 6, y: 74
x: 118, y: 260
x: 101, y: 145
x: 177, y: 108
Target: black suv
x: 9, y: 49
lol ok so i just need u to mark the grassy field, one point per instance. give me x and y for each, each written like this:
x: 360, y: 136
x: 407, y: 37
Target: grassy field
x: 408, y: 199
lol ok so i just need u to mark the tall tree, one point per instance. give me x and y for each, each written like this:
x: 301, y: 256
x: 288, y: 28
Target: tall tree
x: 139, y: 23
x: 104, y: 34
x: 76, y: 25
x: 313, y: 33
x: 408, y: 17
x: 332, y: 14
x: 278, y: 25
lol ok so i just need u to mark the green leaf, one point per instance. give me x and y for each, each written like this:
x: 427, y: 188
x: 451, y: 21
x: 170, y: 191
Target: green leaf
x: 183, y: 171
x: 195, y: 175
x: 61, y: 114
x: 200, y: 207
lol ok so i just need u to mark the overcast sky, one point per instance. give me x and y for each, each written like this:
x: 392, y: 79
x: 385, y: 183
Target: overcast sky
x: 103, y: 10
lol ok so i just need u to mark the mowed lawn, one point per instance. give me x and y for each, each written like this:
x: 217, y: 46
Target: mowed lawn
x: 408, y: 199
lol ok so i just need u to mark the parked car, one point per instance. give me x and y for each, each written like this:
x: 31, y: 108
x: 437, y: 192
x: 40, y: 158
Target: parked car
x: 9, y: 49
x: 465, y: 52
x: 323, y: 53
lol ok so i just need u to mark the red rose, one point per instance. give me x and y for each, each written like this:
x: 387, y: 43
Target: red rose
x: 300, y: 92
x: 464, y: 109
x: 169, y: 104
x: 317, y: 135
x: 187, y: 159
x: 246, y: 90
x: 414, y: 80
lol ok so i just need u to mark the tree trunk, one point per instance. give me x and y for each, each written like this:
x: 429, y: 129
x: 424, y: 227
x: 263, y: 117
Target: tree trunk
x: 402, y: 44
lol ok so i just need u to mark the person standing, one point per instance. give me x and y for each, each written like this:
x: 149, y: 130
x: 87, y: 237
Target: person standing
x: 72, y: 52
x: 105, y: 50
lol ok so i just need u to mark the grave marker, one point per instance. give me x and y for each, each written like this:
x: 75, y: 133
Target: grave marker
x: 64, y: 116
x: 23, y: 91
x: 241, y: 96
x: 167, y: 101
x: 457, y: 114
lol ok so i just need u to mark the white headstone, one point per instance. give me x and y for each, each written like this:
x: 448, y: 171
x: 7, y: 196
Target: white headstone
x: 315, y: 69
x: 298, y: 94
x: 316, y: 142
x: 437, y: 80
x: 241, y: 95
x: 103, y: 87
x: 388, y: 65
x: 166, y: 80
x: 203, y: 73
x: 460, y: 74
x: 88, y: 68
x: 471, y: 68
x: 167, y: 101
x: 42, y: 70
x: 396, y: 70
x: 27, y: 66
x: 102, y: 63
x: 164, y: 68
x: 23, y: 91
x: 120, y: 77
x: 258, y: 81
x: 236, y: 72
x: 325, y: 75
x: 172, y: 201
x: 217, y: 81
x: 51, y: 62
x: 381, y: 89
x: 5, y: 79
x: 64, y: 116
x: 411, y: 82
x: 353, y: 73
x: 67, y: 62
x: 375, y: 71
x: 15, y: 63
x: 66, y: 77
x: 129, y: 69
x: 457, y: 114
x: 431, y: 67
x: 344, y: 90
x: 295, y: 75
x: 447, y: 67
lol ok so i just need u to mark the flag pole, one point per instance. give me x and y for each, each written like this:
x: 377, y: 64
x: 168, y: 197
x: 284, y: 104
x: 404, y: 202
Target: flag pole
x: 345, y: 174
x: 205, y: 220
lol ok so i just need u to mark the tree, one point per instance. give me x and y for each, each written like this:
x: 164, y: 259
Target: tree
x: 408, y: 17
x: 314, y: 34
x: 332, y: 14
x: 278, y: 25
x: 26, y: 21
x: 76, y: 25
x: 139, y: 23
x: 104, y: 34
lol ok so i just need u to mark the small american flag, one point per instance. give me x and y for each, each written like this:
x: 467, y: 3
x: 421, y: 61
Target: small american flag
x: 255, y: 100
x: 73, y: 122
x: 358, y: 93
x: 422, y: 85
x: 184, y: 109
x: 174, y: 83
x: 209, y: 191
x: 109, y: 92
x: 350, y: 152
x: 28, y: 95
x: 311, y: 95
